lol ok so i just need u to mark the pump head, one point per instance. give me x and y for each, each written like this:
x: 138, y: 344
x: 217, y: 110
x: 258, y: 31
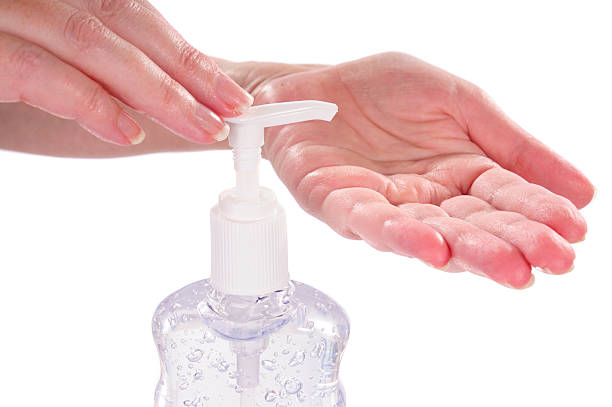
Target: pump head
x: 249, y: 233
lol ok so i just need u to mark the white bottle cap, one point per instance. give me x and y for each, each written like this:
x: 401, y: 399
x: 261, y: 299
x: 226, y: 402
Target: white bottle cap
x: 249, y: 232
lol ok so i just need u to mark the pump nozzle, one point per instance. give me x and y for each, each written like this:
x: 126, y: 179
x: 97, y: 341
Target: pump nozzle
x: 249, y: 234
x: 247, y: 136
x: 277, y: 114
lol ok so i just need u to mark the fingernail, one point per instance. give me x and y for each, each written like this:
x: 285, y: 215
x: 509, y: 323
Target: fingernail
x: 222, y: 135
x: 547, y: 271
x: 210, y: 123
x: 130, y: 128
x: 529, y: 284
x: 443, y: 268
x: 234, y: 97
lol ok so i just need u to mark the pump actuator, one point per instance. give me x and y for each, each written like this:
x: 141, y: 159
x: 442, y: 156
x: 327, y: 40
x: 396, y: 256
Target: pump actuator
x: 248, y: 227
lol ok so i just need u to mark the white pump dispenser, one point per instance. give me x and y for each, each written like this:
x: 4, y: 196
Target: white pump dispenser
x: 249, y: 232
x: 249, y: 336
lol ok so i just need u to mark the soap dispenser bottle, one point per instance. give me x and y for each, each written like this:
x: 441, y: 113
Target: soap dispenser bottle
x: 249, y: 336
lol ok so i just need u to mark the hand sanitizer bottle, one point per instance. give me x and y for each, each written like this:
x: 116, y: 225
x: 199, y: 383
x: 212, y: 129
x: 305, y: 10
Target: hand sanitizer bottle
x: 249, y: 336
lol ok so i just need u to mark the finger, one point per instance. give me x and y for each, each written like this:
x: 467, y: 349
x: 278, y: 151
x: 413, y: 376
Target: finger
x: 518, y: 151
x: 32, y: 75
x: 541, y: 246
x: 197, y: 72
x: 398, y: 189
x: 474, y: 249
x: 317, y: 184
x: 366, y: 214
x: 82, y: 40
x: 507, y: 191
x: 351, y: 200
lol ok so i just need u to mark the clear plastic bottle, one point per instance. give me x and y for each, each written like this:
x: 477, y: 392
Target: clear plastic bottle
x: 296, y: 337
x: 248, y: 336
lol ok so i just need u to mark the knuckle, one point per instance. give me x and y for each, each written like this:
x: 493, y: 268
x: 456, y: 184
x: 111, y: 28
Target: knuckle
x: 25, y: 60
x: 395, y: 64
x: 111, y: 8
x: 84, y: 30
x: 268, y: 94
x: 473, y: 93
x: 170, y: 91
x: 190, y: 59
x: 281, y: 89
x: 394, y: 57
x: 94, y: 100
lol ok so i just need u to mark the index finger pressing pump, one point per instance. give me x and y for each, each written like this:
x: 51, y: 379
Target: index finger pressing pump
x: 249, y: 336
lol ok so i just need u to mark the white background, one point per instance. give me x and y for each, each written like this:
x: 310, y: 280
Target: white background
x: 88, y: 248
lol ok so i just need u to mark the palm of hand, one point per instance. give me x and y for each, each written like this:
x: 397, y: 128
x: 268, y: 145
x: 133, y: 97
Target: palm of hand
x: 414, y: 163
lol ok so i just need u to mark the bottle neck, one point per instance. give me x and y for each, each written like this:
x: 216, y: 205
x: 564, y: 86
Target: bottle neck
x: 245, y: 308
x: 246, y: 317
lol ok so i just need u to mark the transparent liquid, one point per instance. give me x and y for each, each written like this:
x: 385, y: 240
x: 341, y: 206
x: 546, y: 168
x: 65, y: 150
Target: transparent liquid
x: 300, y: 334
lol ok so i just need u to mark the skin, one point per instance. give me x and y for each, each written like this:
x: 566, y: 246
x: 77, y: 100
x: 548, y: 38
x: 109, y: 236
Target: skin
x: 424, y: 164
x: 417, y: 162
x: 87, y: 59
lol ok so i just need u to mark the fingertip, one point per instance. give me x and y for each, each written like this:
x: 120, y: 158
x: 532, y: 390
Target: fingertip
x: 582, y: 191
x: 586, y: 197
x: 530, y: 282
x: 243, y: 107
x: 210, y: 127
x: 439, y: 254
x: 553, y: 255
x: 235, y: 99
x: 579, y: 230
x: 410, y: 237
x: 130, y: 128
x: 508, y: 267
x: 564, y: 218
x: 112, y: 136
x: 519, y: 276
x: 222, y: 135
x: 557, y: 272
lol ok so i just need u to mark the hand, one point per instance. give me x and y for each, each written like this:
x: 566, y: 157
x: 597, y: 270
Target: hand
x: 417, y: 161
x: 73, y: 58
x: 423, y: 164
